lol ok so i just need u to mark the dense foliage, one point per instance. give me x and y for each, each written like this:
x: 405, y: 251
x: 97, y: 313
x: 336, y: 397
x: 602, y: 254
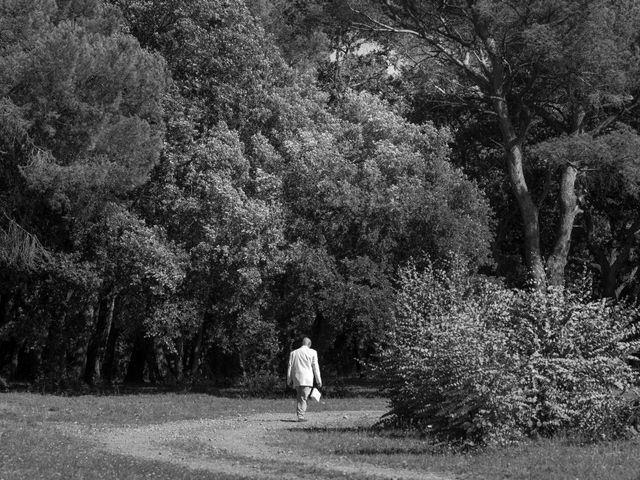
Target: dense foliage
x: 508, y: 75
x: 471, y: 360
x: 179, y: 204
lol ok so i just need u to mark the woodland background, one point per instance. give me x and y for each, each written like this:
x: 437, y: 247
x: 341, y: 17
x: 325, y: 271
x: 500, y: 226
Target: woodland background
x: 188, y: 186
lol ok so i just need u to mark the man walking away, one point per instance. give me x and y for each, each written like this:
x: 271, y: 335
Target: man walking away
x: 303, y: 367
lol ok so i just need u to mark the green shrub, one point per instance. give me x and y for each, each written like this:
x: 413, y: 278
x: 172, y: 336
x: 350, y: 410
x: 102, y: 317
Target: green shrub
x: 470, y: 360
x: 262, y: 384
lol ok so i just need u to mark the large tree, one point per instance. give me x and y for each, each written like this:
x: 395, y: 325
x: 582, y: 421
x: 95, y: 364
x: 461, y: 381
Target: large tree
x: 80, y: 128
x: 542, y: 69
x: 610, y: 195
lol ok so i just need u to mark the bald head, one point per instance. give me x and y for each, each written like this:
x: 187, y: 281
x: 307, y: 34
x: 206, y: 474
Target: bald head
x: 306, y: 341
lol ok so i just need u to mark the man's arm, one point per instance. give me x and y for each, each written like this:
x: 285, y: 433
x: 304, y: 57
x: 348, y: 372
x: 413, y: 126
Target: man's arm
x: 316, y: 369
x: 289, y: 378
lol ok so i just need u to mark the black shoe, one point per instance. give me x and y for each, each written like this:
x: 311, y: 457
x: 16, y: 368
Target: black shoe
x: 302, y: 419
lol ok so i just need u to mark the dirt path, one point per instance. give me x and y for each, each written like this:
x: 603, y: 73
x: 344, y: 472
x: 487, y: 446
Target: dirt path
x: 241, y: 446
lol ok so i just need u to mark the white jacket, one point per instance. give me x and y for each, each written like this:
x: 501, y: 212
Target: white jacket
x: 303, y: 366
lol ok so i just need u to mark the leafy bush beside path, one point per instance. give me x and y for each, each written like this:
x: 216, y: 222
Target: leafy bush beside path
x: 473, y: 361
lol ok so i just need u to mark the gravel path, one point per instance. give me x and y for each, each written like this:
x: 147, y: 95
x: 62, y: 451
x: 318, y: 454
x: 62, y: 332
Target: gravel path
x: 241, y: 446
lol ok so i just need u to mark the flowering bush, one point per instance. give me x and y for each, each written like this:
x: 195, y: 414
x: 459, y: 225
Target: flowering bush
x: 471, y: 360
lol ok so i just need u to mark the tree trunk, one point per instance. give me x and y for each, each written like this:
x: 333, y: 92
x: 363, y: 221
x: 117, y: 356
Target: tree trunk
x: 137, y: 362
x: 95, y: 352
x: 197, y: 348
x: 79, y: 362
x: 494, y: 86
x: 156, y: 375
x: 528, y: 208
x: 15, y: 360
x: 241, y: 363
x: 609, y: 278
x: 612, y: 266
x: 144, y: 357
x: 56, y: 344
x: 568, y: 206
x: 609, y: 270
x: 179, y: 363
x: 6, y: 302
x: 356, y: 354
x: 175, y: 360
x: 109, y: 363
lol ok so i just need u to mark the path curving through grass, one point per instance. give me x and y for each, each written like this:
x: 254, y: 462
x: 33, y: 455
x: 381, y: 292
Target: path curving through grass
x: 244, y: 446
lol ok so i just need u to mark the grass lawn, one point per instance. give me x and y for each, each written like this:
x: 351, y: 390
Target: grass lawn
x: 540, y: 460
x: 32, y: 448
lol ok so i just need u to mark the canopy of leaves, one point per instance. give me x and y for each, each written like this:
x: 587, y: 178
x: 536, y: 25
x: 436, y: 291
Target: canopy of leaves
x: 82, y: 100
x: 216, y: 52
x: 372, y: 184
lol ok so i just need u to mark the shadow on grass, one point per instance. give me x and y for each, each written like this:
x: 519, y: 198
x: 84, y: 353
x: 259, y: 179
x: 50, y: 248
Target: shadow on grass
x: 324, y: 430
x: 377, y: 431
x: 414, y: 445
x: 339, y: 387
x: 385, y: 451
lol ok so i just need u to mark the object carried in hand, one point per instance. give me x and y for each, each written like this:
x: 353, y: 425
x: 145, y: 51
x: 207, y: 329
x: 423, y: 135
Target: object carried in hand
x: 315, y: 394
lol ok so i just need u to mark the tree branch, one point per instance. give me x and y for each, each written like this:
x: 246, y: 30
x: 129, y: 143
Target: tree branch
x: 629, y: 240
x: 554, y: 123
x: 378, y: 26
x: 612, y: 118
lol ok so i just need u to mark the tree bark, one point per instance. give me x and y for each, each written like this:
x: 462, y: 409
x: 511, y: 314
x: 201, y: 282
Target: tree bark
x: 95, y: 352
x: 179, y: 364
x: 195, y: 359
x: 612, y: 266
x: 241, y: 363
x: 609, y: 270
x: 609, y: 279
x: 568, y: 209
x: 156, y: 374
x: 6, y: 302
x: 108, y: 369
x: 175, y: 360
x: 79, y: 362
x: 528, y: 208
x: 497, y: 78
x: 55, y: 348
x: 15, y: 360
